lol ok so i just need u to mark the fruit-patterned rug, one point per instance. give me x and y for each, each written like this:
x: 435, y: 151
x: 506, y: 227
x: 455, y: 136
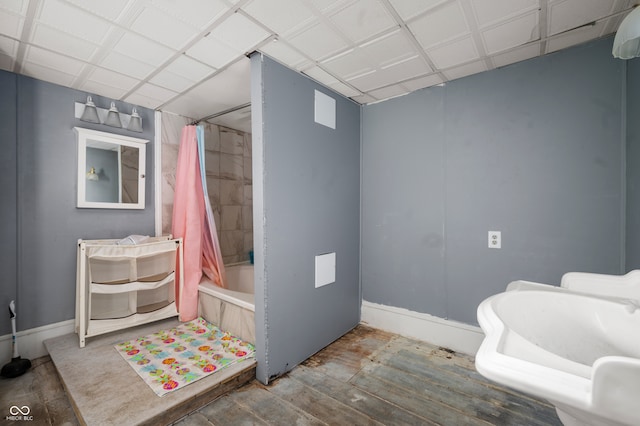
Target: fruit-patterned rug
x: 170, y: 360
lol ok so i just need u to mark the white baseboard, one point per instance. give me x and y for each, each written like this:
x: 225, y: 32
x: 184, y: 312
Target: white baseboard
x: 30, y: 344
x: 438, y: 331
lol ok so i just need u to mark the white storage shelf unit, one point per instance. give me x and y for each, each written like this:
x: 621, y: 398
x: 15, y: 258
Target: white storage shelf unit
x: 121, y: 286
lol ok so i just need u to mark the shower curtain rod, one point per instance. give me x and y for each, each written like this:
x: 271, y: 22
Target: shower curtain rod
x: 218, y: 114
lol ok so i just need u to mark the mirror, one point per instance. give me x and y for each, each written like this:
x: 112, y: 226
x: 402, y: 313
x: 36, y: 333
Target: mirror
x: 111, y: 170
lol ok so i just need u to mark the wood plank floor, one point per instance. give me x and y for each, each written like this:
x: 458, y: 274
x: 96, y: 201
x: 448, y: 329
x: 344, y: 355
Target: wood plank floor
x: 373, y: 377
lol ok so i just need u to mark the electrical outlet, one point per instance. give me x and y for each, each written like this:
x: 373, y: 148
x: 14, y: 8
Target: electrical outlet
x: 495, y: 239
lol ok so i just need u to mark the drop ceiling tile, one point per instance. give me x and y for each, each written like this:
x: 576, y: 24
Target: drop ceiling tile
x: 189, y: 68
x: 63, y: 43
x: 15, y: 6
x: 465, y: 70
x: 517, y: 55
x: 112, y: 79
x: 321, y: 76
x: 163, y: 28
x: 389, y: 92
x: 492, y: 11
x: 73, y: 21
x: 349, y: 64
x: 171, y: 81
x: 189, y: 106
x: 281, y: 51
x: 389, y: 49
x: 408, y: 9
x: 513, y: 33
x: 199, y: 13
x: 370, y: 81
x: 239, y: 33
x: 574, y: 37
x: 318, y: 41
x: 362, y: 20
x: 144, y: 101
x: 155, y: 92
x: 408, y: 68
x: 124, y: 64
x: 271, y: 14
x: 404, y: 70
x: 6, y: 62
x: 364, y: 99
x: 110, y: 10
x: 422, y: 82
x: 46, y: 58
x: 455, y: 53
x: 344, y: 90
x: 568, y: 14
x: 442, y: 24
x: 329, y: 6
x: 10, y: 24
x: 8, y: 47
x: 101, y: 89
x: 144, y: 50
x: 231, y: 86
x: 47, y: 74
x: 213, y: 52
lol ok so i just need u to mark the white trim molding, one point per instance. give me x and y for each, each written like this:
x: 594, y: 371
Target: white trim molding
x: 438, y: 331
x: 30, y: 342
x: 157, y: 172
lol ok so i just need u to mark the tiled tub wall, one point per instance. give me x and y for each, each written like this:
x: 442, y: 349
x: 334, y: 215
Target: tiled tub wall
x: 228, y: 164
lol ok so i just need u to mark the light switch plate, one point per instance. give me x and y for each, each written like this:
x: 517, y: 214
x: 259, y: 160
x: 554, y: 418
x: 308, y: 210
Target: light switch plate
x: 325, y: 269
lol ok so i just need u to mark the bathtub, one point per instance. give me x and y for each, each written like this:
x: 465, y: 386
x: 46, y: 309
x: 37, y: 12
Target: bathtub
x: 579, y: 351
x: 232, y: 308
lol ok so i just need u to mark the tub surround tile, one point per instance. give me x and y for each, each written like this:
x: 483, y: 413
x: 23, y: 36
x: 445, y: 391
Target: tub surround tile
x: 247, y: 218
x: 231, y: 141
x: 231, y: 192
x: 169, y: 158
x: 232, y: 243
x: 172, y: 128
x: 248, y: 195
x: 248, y: 174
x: 211, y: 137
x: 231, y: 166
x: 212, y: 163
x: 248, y: 244
x: 231, y: 218
x: 247, y: 145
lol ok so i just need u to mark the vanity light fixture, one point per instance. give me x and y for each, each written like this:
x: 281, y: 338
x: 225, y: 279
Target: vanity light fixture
x: 135, y: 123
x: 113, y: 117
x: 626, y: 45
x: 92, y: 175
x: 90, y: 113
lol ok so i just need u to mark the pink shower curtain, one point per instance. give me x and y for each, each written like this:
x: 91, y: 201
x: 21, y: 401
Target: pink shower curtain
x: 192, y: 223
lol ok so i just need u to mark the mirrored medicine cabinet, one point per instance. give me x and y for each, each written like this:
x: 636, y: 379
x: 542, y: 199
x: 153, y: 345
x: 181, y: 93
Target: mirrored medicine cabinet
x: 111, y: 170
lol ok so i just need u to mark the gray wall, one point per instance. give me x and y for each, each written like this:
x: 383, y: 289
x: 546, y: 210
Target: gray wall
x: 306, y: 180
x: 534, y: 150
x: 42, y: 184
x: 633, y: 165
x: 9, y: 198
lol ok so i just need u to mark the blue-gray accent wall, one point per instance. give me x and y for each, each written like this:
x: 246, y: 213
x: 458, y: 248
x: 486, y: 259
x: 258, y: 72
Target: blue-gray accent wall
x: 535, y: 150
x: 306, y: 183
x: 39, y: 215
x: 633, y: 165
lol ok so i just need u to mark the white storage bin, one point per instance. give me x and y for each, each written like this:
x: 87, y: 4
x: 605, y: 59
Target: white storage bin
x: 120, y: 286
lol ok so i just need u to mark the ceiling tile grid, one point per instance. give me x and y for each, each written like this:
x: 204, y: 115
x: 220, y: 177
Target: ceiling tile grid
x: 189, y: 58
